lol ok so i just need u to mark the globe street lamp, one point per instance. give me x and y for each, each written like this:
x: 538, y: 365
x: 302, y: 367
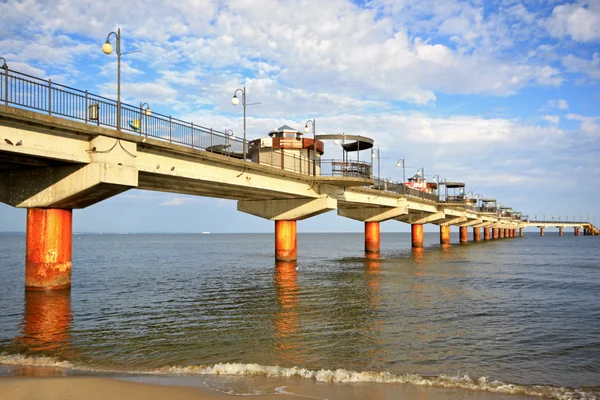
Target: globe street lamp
x: 144, y: 110
x: 312, y: 121
x: 108, y: 49
x: 235, y: 101
x: 402, y: 163
x: 376, y: 150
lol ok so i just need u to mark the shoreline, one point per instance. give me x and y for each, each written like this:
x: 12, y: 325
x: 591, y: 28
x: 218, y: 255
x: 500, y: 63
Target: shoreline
x: 19, y: 382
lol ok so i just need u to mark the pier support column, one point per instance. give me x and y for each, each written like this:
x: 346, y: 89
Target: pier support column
x: 477, y: 234
x: 486, y: 234
x: 464, y: 234
x: 541, y: 231
x: 501, y: 233
x: 372, y: 237
x: 560, y: 231
x: 444, y: 234
x: 417, y: 235
x: 495, y: 233
x: 285, y: 240
x: 576, y: 231
x: 48, y: 253
x: 520, y: 232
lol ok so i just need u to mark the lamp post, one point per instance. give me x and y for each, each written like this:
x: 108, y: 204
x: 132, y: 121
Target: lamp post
x: 402, y: 163
x: 314, y: 129
x: 144, y: 110
x: 378, y: 166
x: 5, y: 68
x: 436, y: 180
x: 235, y: 101
x: 108, y: 49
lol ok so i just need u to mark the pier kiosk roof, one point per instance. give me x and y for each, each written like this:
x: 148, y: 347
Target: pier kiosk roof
x: 349, y: 165
x: 454, y: 192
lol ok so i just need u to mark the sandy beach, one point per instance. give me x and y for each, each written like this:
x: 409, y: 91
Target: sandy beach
x: 170, y: 388
x: 92, y: 388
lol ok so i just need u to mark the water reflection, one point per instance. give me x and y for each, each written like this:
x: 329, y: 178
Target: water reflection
x: 286, y: 319
x: 47, y: 320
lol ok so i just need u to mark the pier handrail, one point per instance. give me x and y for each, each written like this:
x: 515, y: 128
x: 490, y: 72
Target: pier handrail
x: 26, y: 91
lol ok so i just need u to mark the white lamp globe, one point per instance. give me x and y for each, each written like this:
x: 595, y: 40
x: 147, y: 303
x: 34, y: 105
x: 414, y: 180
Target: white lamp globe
x: 305, y: 128
x: 235, y: 101
x: 148, y: 112
x: 107, y: 48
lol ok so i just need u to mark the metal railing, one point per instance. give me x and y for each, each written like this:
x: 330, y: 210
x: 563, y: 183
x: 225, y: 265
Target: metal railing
x: 354, y: 169
x: 25, y: 91
x: 398, y: 187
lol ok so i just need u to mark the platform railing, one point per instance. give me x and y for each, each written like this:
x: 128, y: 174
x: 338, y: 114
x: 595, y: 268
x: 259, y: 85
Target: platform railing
x: 25, y: 91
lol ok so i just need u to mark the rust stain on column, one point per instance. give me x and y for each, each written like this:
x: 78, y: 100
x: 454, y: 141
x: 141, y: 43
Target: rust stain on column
x: 372, y: 237
x: 486, y: 233
x: 541, y: 231
x: 417, y: 235
x: 445, y: 234
x: 48, y: 254
x: 495, y: 233
x: 464, y: 234
x: 477, y: 234
x: 285, y: 240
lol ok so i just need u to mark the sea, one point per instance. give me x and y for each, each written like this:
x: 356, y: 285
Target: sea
x: 513, y: 318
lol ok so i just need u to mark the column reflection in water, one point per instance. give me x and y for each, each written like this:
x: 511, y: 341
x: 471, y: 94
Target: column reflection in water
x: 46, y: 322
x: 286, y: 321
x: 375, y: 325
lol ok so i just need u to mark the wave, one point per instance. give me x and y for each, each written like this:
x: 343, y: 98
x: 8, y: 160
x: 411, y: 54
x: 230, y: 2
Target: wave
x: 331, y: 376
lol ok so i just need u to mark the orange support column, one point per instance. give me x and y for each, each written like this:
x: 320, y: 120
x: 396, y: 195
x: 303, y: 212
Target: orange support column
x: 560, y: 231
x: 486, y: 233
x: 285, y: 240
x: 444, y: 234
x: 48, y: 254
x: 372, y: 237
x: 521, y: 232
x: 477, y: 234
x: 417, y: 235
x: 501, y: 233
x: 576, y: 231
x: 495, y: 233
x: 464, y: 234
x: 541, y: 231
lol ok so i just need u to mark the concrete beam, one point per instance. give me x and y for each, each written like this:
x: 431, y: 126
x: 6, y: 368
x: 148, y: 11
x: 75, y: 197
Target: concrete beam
x: 71, y: 186
x: 421, y: 218
x: 470, y: 223
x: 454, y: 221
x: 287, y: 209
x: 372, y: 214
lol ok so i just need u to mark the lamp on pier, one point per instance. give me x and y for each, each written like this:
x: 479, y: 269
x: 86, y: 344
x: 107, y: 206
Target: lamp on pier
x: 235, y: 101
x: 306, y: 130
x: 107, y: 48
x: 373, y: 151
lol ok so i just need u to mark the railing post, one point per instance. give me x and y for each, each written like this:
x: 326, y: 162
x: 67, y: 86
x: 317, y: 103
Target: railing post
x: 86, y: 107
x: 6, y: 85
x: 192, y: 134
x: 49, y: 96
x: 211, y: 140
x: 170, y: 129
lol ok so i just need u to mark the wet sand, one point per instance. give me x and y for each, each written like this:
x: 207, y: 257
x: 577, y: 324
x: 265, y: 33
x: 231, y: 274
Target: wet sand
x: 91, y: 388
x: 172, y: 388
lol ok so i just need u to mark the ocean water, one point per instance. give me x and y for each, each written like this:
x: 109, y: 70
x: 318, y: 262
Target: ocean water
x: 516, y: 316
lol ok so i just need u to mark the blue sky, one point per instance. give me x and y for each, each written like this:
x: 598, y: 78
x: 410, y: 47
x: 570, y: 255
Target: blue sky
x: 501, y: 95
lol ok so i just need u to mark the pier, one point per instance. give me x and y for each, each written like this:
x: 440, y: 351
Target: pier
x: 62, y: 149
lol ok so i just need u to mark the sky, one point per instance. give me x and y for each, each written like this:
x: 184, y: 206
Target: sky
x: 501, y: 95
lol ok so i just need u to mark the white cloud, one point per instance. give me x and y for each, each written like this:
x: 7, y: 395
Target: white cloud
x: 588, y: 124
x: 179, y: 201
x: 561, y: 104
x: 580, y: 65
x: 578, y: 21
x: 553, y: 119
